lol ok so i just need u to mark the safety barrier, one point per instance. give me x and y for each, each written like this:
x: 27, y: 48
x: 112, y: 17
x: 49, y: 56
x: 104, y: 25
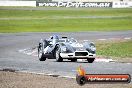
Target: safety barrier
x: 18, y: 3
x: 114, y: 4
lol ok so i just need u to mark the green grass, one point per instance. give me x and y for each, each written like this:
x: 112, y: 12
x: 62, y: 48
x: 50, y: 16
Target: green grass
x: 118, y: 49
x: 65, y: 20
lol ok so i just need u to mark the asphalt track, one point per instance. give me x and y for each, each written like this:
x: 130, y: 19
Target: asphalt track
x: 10, y: 57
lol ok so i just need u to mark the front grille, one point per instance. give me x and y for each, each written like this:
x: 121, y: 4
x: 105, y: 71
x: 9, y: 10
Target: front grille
x: 81, y: 53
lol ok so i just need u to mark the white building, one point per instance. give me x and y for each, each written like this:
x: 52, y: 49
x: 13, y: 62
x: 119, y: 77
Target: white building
x: 90, y: 0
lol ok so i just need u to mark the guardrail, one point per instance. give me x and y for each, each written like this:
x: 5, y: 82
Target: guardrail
x: 114, y: 4
x: 18, y: 3
x: 122, y: 4
x: 75, y: 4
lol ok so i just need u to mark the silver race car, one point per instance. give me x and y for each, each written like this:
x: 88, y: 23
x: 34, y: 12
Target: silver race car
x: 65, y: 48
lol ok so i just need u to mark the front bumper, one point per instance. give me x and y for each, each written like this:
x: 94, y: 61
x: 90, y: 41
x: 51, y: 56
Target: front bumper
x: 72, y: 55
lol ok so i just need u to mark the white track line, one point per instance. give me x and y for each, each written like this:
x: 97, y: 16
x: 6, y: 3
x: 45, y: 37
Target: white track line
x: 104, y: 60
x: 49, y: 74
x: 127, y: 38
x: 34, y: 53
x: 102, y: 39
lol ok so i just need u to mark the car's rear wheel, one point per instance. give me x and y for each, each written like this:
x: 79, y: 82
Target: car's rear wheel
x: 90, y: 60
x: 57, y: 55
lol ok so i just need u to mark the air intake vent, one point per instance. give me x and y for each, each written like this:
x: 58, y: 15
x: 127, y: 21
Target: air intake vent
x: 81, y: 53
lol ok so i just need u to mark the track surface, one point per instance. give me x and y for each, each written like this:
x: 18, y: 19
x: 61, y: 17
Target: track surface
x: 10, y: 43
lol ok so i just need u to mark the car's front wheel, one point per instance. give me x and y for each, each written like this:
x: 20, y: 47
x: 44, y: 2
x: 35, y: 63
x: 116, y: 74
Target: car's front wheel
x: 90, y: 60
x: 41, y: 54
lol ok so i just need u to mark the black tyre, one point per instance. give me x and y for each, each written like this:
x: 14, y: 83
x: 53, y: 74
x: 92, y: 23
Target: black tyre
x: 41, y: 47
x: 90, y: 60
x: 41, y: 54
x: 57, y: 54
x: 73, y: 60
x: 42, y: 58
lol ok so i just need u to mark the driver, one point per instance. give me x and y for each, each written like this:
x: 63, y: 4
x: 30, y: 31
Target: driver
x: 52, y: 42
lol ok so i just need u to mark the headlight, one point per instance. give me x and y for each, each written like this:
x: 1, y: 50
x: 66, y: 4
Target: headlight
x: 64, y: 49
x: 93, y: 48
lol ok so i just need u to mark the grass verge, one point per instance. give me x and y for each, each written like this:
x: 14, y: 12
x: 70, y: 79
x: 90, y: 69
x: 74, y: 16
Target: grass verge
x: 117, y: 50
x: 65, y: 20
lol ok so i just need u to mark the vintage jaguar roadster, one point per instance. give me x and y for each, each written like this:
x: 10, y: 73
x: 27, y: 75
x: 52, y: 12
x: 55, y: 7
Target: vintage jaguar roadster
x: 65, y: 48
